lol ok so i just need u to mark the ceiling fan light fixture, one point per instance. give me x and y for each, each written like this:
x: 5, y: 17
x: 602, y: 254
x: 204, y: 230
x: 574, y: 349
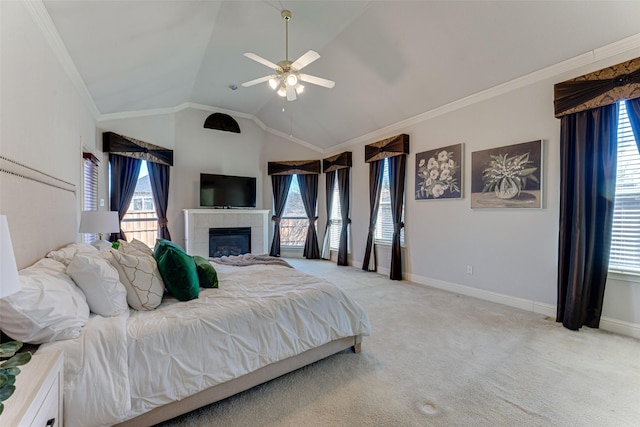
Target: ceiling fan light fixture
x: 292, y: 79
x: 287, y: 79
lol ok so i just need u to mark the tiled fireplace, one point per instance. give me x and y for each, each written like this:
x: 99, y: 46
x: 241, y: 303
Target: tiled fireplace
x: 198, y: 222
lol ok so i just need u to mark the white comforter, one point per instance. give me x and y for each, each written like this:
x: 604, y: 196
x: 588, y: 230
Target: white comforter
x: 124, y: 366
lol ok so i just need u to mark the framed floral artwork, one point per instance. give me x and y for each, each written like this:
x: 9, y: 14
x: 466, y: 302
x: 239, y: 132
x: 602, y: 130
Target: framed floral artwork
x: 439, y: 173
x: 507, y: 177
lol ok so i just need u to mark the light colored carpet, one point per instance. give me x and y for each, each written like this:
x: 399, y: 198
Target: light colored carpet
x: 440, y: 359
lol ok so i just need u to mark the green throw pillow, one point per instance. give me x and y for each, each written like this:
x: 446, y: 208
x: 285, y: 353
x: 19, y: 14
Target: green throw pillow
x: 178, y: 270
x: 206, y: 273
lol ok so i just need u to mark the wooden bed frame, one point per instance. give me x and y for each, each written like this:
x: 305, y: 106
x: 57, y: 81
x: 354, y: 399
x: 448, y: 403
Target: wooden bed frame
x: 245, y: 382
x: 52, y: 222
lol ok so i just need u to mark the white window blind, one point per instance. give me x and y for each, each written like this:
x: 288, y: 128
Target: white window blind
x: 89, y: 189
x: 625, y: 243
x: 384, y: 223
x: 336, y: 218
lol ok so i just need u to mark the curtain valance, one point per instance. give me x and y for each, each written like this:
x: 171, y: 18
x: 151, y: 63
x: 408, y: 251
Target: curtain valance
x: 394, y: 146
x: 597, y: 89
x: 294, y: 167
x: 339, y: 161
x: 131, y: 147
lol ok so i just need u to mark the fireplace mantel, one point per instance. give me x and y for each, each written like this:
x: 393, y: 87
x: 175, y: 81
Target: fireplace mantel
x: 198, y: 222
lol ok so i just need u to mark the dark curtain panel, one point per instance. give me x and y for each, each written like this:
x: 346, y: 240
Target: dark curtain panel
x: 309, y: 193
x: 330, y: 179
x: 376, y: 168
x: 280, y: 185
x: 159, y: 180
x: 397, y: 167
x: 588, y: 153
x: 343, y: 191
x: 124, y: 177
x: 633, y: 110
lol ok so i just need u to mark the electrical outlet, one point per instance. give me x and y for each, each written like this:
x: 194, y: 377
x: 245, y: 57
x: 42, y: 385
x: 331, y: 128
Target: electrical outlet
x: 101, y: 202
x: 469, y: 269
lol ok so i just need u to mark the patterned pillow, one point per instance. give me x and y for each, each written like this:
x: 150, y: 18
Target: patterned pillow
x: 134, y: 247
x: 140, y: 275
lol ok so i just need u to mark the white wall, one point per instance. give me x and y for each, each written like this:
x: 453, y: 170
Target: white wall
x: 44, y: 121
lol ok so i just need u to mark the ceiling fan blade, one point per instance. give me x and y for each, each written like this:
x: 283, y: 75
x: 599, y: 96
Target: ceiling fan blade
x: 261, y: 60
x: 305, y: 60
x: 256, y: 81
x: 317, y: 81
x: 291, y: 93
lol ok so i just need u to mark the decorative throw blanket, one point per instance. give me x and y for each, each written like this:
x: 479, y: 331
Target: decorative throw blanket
x: 250, y: 259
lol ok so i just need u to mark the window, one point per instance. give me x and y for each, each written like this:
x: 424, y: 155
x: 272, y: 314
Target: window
x: 336, y: 219
x: 384, y: 223
x: 90, y: 164
x: 625, y: 242
x: 294, y: 222
x: 140, y: 222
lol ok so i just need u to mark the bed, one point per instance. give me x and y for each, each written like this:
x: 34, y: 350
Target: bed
x: 141, y: 367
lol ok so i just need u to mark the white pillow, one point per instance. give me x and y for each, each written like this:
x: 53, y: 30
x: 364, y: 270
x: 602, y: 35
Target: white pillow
x: 141, y: 277
x: 135, y: 247
x: 47, y: 264
x: 49, y: 307
x: 100, y: 282
x: 65, y: 254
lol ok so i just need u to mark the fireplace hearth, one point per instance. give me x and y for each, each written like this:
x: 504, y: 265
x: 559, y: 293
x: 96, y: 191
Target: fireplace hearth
x: 229, y: 241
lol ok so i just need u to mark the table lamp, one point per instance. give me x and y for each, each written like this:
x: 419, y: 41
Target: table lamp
x: 9, y: 280
x: 100, y: 222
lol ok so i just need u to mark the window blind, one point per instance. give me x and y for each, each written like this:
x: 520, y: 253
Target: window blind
x: 384, y: 223
x: 89, y: 189
x: 336, y: 218
x: 625, y: 242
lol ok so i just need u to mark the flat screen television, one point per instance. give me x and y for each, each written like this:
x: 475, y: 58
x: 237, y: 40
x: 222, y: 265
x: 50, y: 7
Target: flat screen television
x: 226, y: 191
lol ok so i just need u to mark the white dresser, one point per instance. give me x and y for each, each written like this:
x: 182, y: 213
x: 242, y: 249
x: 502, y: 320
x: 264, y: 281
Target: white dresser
x: 198, y: 222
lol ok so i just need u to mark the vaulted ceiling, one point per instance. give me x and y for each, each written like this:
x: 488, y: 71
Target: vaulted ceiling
x: 391, y: 60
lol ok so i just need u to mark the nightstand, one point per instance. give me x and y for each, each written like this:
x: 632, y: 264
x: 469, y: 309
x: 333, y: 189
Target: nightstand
x: 37, y: 400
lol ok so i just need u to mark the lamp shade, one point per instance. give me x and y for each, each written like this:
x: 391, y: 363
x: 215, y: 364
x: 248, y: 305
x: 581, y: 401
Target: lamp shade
x: 99, y: 222
x: 9, y: 280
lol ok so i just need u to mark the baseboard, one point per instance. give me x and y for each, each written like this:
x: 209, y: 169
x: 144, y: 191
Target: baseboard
x: 606, y: 323
x: 521, y: 303
x: 620, y: 327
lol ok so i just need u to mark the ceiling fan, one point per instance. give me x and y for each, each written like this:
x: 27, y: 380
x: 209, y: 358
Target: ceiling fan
x: 287, y: 77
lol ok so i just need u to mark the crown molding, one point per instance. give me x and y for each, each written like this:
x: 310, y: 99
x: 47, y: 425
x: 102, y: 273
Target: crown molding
x: 43, y: 20
x: 624, y: 46
x: 186, y: 105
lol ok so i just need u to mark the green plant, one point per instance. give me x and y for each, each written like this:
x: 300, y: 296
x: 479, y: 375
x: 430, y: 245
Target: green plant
x: 508, y: 174
x: 9, y: 368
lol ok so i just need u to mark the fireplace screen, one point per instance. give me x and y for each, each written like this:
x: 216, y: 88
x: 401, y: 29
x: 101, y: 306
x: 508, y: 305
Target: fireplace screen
x: 229, y: 241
